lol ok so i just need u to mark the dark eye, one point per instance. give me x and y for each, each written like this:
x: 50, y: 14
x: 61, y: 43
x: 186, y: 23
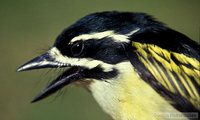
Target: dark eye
x: 77, y: 48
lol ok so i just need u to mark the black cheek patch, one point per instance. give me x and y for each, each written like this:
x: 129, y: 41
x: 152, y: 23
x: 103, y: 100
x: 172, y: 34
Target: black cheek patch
x: 99, y: 74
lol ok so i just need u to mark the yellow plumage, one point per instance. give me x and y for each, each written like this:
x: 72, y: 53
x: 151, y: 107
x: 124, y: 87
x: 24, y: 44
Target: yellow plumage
x: 135, y: 67
x: 128, y: 97
x: 186, y: 77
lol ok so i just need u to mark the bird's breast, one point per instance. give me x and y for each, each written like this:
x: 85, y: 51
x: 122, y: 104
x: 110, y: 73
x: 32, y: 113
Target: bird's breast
x: 128, y: 97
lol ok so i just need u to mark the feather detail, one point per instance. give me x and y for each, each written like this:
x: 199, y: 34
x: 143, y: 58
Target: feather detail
x: 174, y: 73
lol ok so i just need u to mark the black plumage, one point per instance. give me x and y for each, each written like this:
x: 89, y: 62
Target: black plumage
x: 153, y: 46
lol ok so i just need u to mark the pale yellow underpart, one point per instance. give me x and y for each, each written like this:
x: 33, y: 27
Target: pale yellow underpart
x: 128, y: 97
x: 183, y: 72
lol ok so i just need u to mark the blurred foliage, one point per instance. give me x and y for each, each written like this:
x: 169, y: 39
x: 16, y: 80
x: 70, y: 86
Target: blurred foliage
x: 27, y: 27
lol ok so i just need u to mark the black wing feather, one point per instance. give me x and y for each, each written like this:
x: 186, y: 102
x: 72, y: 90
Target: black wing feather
x: 176, y: 56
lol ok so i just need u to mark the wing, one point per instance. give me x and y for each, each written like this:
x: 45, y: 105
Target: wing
x: 175, y: 76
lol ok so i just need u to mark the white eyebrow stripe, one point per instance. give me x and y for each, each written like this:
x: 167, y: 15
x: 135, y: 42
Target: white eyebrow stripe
x: 99, y: 35
x: 116, y: 37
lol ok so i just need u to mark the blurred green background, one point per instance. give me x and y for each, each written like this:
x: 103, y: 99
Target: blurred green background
x: 27, y: 27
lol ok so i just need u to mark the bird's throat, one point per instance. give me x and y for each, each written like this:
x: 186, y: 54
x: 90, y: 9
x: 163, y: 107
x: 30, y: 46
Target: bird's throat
x: 128, y: 97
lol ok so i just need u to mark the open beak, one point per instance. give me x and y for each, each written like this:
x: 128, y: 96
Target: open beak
x: 69, y: 76
x: 46, y: 61
x: 42, y: 61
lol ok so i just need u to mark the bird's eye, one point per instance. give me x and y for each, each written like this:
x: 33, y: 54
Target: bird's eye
x: 77, y: 48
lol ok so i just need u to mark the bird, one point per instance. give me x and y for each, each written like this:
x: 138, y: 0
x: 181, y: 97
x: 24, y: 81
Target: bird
x: 135, y: 67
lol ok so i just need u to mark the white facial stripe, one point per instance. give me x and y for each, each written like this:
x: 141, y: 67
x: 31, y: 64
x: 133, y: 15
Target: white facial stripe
x: 86, y: 62
x: 119, y: 38
x: 99, y: 35
x: 133, y: 32
x: 116, y: 37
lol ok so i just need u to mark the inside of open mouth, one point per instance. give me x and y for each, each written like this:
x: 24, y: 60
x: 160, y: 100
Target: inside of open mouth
x: 71, y: 75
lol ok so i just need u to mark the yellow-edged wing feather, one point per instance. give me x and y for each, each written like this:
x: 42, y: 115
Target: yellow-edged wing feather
x: 176, y: 72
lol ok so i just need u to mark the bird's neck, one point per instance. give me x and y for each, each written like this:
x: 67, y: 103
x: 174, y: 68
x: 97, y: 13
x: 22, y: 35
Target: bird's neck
x: 128, y: 97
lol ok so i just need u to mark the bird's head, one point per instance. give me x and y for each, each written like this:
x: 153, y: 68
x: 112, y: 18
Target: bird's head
x: 90, y: 48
